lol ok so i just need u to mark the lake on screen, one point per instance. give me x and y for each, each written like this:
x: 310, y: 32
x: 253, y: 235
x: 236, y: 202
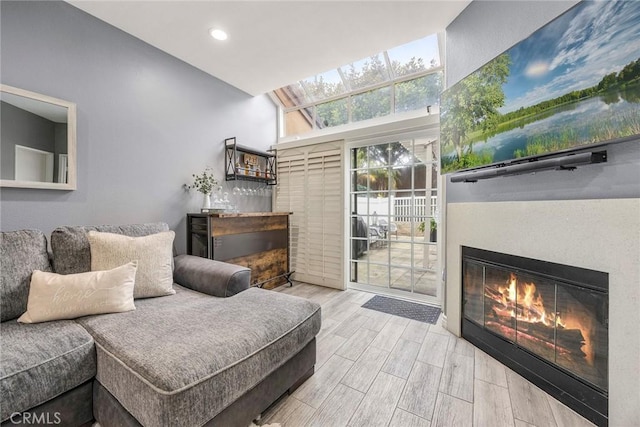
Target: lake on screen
x: 579, y: 116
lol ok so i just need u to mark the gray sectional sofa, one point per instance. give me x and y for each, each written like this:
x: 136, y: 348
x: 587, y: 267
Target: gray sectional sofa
x: 215, y: 353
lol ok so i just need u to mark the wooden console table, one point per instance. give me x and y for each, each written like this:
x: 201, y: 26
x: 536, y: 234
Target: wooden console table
x: 259, y: 241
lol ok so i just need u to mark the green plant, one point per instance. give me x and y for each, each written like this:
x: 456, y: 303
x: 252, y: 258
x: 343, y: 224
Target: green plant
x: 433, y: 226
x: 204, y: 182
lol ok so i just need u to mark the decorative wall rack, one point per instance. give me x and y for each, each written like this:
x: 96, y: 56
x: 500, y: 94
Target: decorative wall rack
x: 248, y: 164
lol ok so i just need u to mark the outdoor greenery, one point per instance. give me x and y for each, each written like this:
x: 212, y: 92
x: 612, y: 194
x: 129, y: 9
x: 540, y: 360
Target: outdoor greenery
x: 377, y: 159
x: 418, y: 93
x: 368, y: 105
x: 397, y: 167
x: 409, y: 95
x: 373, y: 71
x: 333, y: 113
x: 470, y: 114
x: 433, y: 226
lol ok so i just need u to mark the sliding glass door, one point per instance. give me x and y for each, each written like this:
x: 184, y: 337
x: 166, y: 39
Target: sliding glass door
x: 393, y: 202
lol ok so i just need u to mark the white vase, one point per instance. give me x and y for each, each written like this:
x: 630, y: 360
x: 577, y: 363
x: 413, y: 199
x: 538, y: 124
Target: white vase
x: 206, y: 202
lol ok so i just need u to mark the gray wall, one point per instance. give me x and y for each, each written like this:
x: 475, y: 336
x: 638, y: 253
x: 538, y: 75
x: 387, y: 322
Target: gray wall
x: 146, y: 121
x: 481, y: 32
x: 20, y: 127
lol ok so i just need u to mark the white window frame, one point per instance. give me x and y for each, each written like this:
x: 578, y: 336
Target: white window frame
x: 413, y: 296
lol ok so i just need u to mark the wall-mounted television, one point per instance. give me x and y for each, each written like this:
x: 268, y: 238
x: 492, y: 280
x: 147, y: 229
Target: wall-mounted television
x: 573, y: 83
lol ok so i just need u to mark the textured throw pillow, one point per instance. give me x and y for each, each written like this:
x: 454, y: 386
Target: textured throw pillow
x: 21, y: 252
x: 154, y: 254
x: 55, y: 296
x: 70, y: 245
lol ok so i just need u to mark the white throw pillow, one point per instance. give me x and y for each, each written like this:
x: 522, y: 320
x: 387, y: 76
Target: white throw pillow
x: 55, y: 296
x: 153, y: 252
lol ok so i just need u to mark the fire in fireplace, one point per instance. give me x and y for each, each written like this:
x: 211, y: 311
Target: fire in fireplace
x: 545, y: 320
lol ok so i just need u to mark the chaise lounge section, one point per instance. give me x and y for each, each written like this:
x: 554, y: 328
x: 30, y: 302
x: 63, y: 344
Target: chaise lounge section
x: 215, y: 353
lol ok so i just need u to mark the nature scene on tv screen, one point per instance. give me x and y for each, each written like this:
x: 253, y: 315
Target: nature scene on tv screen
x: 575, y: 81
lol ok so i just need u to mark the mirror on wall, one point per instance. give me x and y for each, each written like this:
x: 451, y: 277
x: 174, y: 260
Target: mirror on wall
x: 37, y: 141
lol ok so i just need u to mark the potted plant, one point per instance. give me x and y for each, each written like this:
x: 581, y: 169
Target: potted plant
x: 433, y: 229
x: 204, y: 183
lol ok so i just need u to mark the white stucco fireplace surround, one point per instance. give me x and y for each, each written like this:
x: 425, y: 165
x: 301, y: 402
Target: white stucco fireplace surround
x: 602, y: 235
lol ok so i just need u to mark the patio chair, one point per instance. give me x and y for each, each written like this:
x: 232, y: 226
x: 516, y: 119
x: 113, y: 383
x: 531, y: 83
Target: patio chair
x: 388, y: 228
x: 375, y: 236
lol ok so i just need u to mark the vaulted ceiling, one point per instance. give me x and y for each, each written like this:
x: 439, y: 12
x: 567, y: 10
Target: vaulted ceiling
x: 274, y: 43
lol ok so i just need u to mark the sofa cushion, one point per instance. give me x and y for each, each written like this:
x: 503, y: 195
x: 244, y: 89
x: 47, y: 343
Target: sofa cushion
x: 154, y: 254
x: 211, y: 277
x: 55, y: 296
x: 190, y: 355
x: 41, y: 361
x: 21, y: 252
x: 70, y: 245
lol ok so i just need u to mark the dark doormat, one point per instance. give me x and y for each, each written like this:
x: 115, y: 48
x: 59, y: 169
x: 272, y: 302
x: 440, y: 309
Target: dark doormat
x: 407, y: 309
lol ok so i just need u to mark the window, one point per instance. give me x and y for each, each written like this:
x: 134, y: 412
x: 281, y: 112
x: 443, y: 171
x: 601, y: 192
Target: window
x: 333, y: 113
x: 323, y: 86
x: 405, y: 78
x: 405, y: 61
x: 375, y: 103
x: 393, y: 195
x: 366, y: 72
x: 418, y: 93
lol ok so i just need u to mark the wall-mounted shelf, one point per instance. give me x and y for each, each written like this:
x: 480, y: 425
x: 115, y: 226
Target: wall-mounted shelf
x: 247, y: 164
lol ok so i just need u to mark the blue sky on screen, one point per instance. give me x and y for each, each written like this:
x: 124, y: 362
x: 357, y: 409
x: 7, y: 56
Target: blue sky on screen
x: 573, y: 52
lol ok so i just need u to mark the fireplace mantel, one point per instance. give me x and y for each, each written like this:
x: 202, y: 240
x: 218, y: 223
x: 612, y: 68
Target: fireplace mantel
x: 594, y: 234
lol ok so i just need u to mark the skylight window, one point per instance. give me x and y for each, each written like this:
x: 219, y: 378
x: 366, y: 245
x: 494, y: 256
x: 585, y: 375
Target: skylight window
x: 323, y: 86
x: 366, y: 72
x: 418, y: 93
x: 332, y: 113
x: 405, y: 78
x: 415, y: 57
x: 368, y: 105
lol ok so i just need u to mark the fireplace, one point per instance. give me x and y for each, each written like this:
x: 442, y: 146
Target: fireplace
x: 546, y: 321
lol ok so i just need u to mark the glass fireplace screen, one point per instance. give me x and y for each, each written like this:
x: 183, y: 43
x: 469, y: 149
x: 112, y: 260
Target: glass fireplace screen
x: 564, y: 324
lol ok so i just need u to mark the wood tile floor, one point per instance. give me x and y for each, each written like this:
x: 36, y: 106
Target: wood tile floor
x: 376, y: 369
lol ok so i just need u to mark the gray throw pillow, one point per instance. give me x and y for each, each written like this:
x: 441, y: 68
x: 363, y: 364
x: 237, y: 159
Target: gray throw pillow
x: 71, y: 253
x: 21, y: 252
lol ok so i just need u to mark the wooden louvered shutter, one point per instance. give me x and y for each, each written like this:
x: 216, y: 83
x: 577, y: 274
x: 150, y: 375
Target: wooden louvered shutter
x: 310, y: 184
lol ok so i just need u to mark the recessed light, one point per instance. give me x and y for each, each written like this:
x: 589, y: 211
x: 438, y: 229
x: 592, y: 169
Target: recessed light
x: 218, y: 34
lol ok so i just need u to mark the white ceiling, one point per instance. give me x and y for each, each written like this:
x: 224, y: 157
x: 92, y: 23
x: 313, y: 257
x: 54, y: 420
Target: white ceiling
x: 274, y: 43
